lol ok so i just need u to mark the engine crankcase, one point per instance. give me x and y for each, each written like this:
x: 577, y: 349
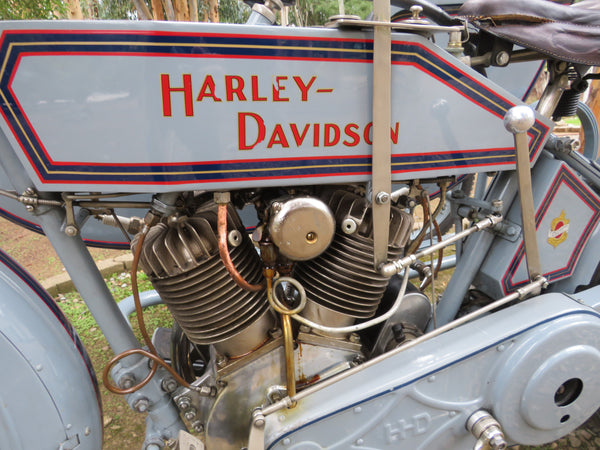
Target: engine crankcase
x: 533, y: 366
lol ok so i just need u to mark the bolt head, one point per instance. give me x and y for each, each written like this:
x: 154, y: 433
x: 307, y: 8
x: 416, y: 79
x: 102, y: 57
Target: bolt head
x: 169, y: 384
x: 126, y: 381
x: 502, y: 58
x: 141, y: 405
x: 382, y: 198
x: 198, y: 426
x: 190, y: 414
x: 71, y: 230
x: 184, y: 403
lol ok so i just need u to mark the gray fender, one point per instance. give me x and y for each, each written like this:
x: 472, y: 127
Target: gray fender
x: 49, y: 396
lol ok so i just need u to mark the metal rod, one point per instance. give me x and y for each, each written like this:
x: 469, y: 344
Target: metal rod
x: 395, y: 267
x: 518, y: 120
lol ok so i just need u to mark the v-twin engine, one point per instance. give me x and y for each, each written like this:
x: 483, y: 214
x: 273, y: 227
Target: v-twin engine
x: 325, y: 243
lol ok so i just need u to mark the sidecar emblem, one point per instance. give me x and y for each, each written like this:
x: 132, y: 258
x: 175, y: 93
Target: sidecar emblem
x: 558, y: 230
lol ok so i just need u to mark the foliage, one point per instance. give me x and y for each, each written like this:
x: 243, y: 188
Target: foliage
x: 317, y: 12
x: 233, y: 11
x: 108, y: 9
x: 31, y: 9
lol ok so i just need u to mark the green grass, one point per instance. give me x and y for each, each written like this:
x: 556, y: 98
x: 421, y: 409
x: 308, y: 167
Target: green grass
x: 574, y: 120
x: 123, y: 428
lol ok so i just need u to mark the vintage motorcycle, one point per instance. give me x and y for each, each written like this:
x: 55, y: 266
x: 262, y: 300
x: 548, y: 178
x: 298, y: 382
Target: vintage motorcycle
x: 281, y: 187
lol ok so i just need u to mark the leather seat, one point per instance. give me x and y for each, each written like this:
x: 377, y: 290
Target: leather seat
x: 568, y: 33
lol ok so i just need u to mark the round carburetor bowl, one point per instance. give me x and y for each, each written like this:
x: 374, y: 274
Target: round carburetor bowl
x: 302, y: 228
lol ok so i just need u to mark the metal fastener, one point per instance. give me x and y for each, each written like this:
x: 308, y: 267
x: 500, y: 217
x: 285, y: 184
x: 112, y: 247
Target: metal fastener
x: 184, y: 402
x: 169, y: 384
x: 190, y: 414
x: 382, y: 198
x: 141, y: 405
x: 71, y: 230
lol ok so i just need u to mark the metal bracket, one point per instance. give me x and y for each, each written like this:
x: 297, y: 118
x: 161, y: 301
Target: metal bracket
x: 382, y: 146
x: 70, y: 444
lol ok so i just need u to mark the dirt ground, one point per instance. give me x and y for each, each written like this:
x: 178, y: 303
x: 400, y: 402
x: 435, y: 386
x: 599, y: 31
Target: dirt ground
x: 123, y: 428
x: 34, y: 252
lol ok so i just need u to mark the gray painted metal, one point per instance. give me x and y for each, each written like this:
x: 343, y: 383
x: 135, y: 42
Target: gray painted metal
x: 421, y: 398
x: 453, y: 115
x: 566, y: 212
x: 49, y: 393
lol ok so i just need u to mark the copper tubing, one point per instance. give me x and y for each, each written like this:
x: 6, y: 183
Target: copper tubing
x: 224, y: 252
x: 414, y: 245
x: 152, y: 354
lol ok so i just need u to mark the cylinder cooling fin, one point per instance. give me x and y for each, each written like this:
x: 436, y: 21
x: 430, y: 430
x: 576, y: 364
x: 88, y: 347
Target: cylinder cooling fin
x: 342, y: 281
x: 182, y: 260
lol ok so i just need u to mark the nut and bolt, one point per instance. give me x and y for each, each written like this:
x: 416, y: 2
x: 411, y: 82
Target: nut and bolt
x: 169, y: 384
x: 198, y: 426
x: 382, y: 198
x: 190, y: 414
x: 141, y: 405
x: 276, y: 207
x: 71, y: 230
x: 126, y: 381
x: 184, y: 403
x: 311, y: 237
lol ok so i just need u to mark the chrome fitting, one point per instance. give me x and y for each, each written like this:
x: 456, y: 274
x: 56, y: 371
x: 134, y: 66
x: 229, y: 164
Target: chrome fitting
x: 486, y: 430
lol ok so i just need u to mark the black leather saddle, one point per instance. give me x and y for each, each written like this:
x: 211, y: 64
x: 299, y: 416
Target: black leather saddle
x: 568, y: 33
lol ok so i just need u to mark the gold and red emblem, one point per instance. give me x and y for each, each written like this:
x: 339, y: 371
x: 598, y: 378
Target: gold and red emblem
x: 558, y: 230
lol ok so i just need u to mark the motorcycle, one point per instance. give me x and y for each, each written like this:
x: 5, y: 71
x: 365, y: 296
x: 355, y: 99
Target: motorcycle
x: 281, y: 187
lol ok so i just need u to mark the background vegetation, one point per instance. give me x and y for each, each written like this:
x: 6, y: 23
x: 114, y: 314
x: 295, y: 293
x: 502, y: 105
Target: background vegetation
x: 302, y: 13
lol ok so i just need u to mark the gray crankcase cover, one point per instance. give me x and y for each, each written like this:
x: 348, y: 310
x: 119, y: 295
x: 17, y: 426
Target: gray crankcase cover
x: 533, y: 366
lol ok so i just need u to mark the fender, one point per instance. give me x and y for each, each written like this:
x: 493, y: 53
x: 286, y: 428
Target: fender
x: 48, y: 381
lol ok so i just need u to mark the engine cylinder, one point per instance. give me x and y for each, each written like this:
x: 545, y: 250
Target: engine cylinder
x: 183, y: 263
x: 341, y: 284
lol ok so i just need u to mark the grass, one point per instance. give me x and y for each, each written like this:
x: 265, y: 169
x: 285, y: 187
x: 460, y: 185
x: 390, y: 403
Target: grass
x: 123, y: 428
x: 574, y: 120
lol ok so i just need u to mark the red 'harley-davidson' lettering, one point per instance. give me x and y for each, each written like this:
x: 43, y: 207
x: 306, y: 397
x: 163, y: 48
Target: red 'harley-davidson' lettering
x: 252, y: 131
x: 234, y: 88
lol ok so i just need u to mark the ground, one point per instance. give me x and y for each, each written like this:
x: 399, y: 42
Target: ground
x: 123, y: 428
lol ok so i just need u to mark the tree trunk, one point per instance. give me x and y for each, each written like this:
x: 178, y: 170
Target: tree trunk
x: 213, y: 11
x: 157, y: 10
x: 193, y: 7
x: 182, y: 13
x: 75, y: 10
x: 170, y: 12
x: 142, y: 10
